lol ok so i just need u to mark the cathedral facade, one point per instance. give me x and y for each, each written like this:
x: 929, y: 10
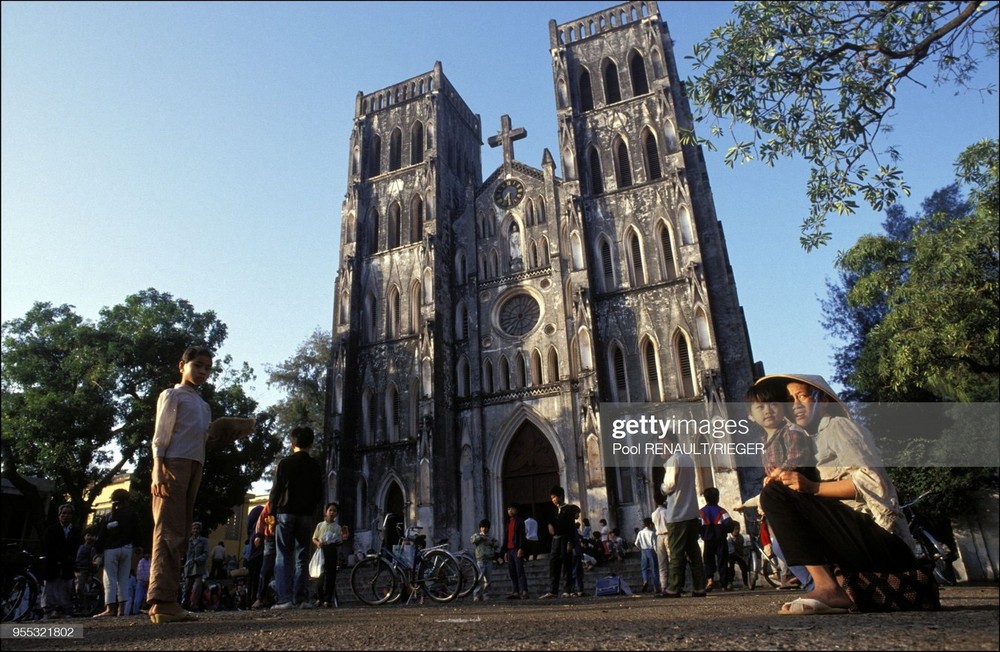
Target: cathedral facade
x: 479, y: 324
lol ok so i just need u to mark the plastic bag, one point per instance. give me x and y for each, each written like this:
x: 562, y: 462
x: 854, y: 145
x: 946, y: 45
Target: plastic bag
x: 316, y: 564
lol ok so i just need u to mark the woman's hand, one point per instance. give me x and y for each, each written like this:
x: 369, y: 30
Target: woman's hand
x: 795, y: 480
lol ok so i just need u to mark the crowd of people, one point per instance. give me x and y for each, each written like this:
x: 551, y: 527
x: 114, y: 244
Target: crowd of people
x: 826, y: 498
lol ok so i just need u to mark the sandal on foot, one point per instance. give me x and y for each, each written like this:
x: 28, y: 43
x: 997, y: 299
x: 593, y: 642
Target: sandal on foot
x: 160, y: 619
x: 809, y: 607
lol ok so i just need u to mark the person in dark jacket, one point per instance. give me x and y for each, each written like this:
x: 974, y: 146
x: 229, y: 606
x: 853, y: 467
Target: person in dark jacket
x: 62, y: 540
x: 296, y: 495
x: 514, y: 541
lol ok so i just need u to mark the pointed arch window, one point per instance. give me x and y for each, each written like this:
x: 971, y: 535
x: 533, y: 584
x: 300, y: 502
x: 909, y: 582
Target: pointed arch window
x: 392, y: 316
x: 612, y: 89
x: 636, y: 277
x: 392, y: 412
x: 368, y: 417
x: 461, y: 320
x: 652, y: 371
x: 685, y: 373
x: 370, y: 317
x: 596, y: 177
x: 488, y: 377
x: 704, y: 334
x: 536, y: 368
x: 392, y: 236
x: 607, y: 267
x: 668, y: 269
x: 371, y: 246
x: 460, y: 275
x: 620, y: 374
x: 586, y: 92
x: 653, y: 169
x: 504, y: 380
x: 687, y: 229
x: 540, y: 212
x: 586, y: 350
x: 623, y: 168
x: 345, y: 306
x: 552, y: 365
x: 576, y: 248
x: 416, y: 219
x: 375, y: 165
x: 416, y: 300
x: 637, y: 71
x: 520, y: 371
x: 395, y: 149
x: 463, y: 377
x: 417, y: 143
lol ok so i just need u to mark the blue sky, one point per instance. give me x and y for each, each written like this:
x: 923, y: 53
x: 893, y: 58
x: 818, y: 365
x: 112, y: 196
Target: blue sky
x: 201, y: 149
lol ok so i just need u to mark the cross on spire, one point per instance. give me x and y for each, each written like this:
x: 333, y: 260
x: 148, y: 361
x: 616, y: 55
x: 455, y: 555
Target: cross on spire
x: 506, y: 137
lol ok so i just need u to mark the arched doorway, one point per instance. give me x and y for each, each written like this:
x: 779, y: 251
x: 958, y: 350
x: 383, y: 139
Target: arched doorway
x: 530, y: 470
x: 393, y: 506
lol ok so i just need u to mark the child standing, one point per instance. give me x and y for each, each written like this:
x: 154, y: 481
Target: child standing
x: 181, y: 433
x: 84, y: 568
x: 645, y: 541
x: 328, y: 536
x: 182, y: 420
x: 141, y: 582
x: 715, y: 525
x: 486, y: 548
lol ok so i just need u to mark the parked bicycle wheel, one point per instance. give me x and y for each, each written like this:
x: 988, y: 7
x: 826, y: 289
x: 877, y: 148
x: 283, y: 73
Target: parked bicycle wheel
x: 770, y: 570
x: 92, y: 601
x: 373, y: 581
x: 440, y: 575
x: 470, y: 574
x: 19, y: 598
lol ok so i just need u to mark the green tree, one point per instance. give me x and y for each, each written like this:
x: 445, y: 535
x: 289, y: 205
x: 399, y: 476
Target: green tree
x: 303, y: 379
x: 918, y: 308
x: 819, y: 80
x: 940, y: 288
x: 79, y: 399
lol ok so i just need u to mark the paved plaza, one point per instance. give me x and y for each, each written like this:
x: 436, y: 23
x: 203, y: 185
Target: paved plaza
x: 741, y: 620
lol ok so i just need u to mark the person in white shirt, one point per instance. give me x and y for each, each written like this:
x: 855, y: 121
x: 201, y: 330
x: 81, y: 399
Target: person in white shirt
x: 645, y: 541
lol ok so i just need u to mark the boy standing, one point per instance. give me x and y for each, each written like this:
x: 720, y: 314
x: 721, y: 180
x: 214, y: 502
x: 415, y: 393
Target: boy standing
x: 715, y: 525
x: 645, y: 541
x: 486, y: 548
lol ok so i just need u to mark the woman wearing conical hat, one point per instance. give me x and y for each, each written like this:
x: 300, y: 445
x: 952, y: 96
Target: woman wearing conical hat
x: 851, y: 517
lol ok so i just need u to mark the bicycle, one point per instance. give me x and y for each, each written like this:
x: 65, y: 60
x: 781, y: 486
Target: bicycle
x: 929, y: 549
x: 382, y: 577
x: 763, y: 562
x: 469, y: 569
x: 89, y: 601
x: 20, y: 586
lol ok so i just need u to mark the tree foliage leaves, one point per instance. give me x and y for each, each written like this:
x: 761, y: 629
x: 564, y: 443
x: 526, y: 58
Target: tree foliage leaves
x: 819, y: 80
x: 79, y: 399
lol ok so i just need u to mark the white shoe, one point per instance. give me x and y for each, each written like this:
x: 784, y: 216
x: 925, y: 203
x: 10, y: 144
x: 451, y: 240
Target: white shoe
x: 284, y: 605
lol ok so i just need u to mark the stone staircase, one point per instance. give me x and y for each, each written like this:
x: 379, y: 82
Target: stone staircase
x: 537, y: 572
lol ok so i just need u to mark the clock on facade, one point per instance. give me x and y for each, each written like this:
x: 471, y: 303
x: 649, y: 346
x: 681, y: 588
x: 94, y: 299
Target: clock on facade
x: 508, y: 193
x: 519, y: 314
